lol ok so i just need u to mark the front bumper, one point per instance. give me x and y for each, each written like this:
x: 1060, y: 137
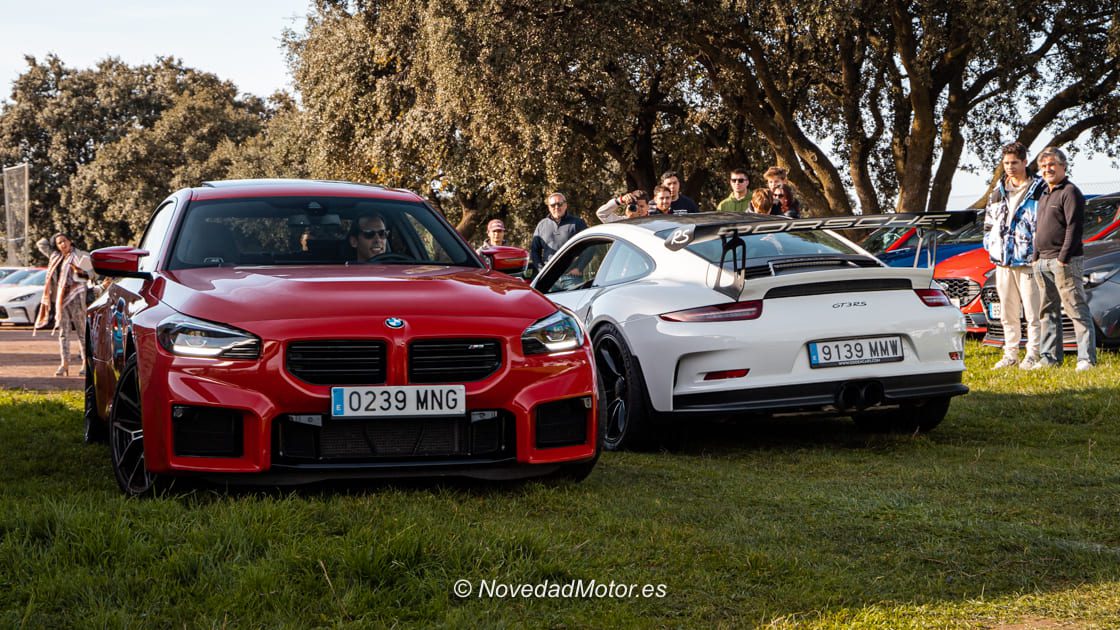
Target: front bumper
x: 243, y: 412
x: 16, y: 314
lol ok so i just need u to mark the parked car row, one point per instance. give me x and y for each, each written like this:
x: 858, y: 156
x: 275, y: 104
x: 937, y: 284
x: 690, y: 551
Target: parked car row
x: 964, y: 268
x: 230, y: 348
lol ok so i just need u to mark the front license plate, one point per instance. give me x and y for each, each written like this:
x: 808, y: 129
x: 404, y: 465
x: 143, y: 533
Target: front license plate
x: 398, y: 401
x: 995, y: 311
x: 855, y: 351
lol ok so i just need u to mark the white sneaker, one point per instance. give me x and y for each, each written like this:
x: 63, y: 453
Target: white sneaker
x: 1005, y: 362
x: 1084, y: 366
x: 1043, y: 364
x: 1028, y: 363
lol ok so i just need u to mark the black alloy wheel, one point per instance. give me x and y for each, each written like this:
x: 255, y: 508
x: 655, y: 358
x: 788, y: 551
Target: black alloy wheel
x: 96, y: 431
x: 126, y: 435
x: 623, y: 413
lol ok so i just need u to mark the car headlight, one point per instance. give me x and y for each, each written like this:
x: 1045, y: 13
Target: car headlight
x: 23, y: 298
x: 190, y: 337
x: 1093, y: 278
x: 556, y: 333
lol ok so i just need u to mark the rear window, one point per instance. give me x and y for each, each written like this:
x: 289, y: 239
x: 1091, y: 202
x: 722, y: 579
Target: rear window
x: 764, y: 247
x: 312, y: 231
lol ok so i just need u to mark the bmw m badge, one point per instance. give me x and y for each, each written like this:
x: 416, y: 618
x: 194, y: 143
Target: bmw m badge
x: 394, y: 323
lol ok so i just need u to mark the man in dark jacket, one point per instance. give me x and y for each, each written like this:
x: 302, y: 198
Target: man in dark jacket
x: 553, y: 231
x: 1059, y: 263
x: 682, y: 204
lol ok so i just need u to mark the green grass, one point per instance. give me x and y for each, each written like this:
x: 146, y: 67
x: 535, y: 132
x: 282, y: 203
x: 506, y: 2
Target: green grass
x: 1006, y: 513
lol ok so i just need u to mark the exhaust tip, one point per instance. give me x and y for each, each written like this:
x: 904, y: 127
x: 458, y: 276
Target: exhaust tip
x: 848, y: 397
x: 871, y: 394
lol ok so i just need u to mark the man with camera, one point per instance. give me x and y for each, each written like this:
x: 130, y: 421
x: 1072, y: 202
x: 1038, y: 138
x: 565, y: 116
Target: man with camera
x: 628, y: 206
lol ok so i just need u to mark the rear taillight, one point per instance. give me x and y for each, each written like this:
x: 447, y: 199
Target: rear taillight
x: 933, y: 297
x: 731, y: 312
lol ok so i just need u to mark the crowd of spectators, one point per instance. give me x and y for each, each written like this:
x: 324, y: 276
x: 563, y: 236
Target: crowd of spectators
x: 778, y: 198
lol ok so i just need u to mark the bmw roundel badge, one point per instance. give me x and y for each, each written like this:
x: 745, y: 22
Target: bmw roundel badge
x: 394, y: 322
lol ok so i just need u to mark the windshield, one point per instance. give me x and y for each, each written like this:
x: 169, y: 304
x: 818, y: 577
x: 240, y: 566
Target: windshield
x: 315, y: 231
x: 971, y: 234
x: 1099, y: 214
x: 765, y: 247
x: 16, y: 276
x: 878, y: 241
x: 37, y: 278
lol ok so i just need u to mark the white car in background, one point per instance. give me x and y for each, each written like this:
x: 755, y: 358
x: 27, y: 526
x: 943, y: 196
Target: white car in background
x: 721, y: 314
x: 19, y: 302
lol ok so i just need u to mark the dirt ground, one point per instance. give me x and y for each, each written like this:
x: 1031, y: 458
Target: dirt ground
x: 29, y: 362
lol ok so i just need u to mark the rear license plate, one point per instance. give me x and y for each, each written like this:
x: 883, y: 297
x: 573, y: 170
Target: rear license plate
x: 855, y: 351
x: 398, y: 401
x: 995, y: 311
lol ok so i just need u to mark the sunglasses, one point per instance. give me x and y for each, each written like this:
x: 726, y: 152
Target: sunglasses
x: 739, y: 180
x: 378, y: 233
x: 556, y: 205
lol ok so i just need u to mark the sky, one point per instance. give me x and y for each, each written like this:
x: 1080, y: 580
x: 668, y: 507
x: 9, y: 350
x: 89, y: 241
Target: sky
x: 239, y: 40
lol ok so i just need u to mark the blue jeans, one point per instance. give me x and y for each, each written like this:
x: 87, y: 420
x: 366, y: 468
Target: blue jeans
x: 1062, y: 288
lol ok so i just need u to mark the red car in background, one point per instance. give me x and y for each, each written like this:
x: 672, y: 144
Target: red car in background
x: 245, y: 340
x: 963, y: 275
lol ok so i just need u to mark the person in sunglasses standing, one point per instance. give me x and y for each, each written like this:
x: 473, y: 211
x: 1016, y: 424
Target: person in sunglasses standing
x: 369, y: 237
x: 740, y: 199
x: 553, y: 231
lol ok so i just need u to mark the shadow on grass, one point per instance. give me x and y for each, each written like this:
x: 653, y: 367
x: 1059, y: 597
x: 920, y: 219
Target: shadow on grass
x: 979, y: 418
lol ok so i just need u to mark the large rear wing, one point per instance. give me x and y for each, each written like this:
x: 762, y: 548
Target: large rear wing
x: 688, y: 234
x: 732, y: 231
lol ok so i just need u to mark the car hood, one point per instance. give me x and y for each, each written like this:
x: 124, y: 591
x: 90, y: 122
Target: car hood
x: 1102, y: 253
x: 240, y: 295
x: 973, y: 264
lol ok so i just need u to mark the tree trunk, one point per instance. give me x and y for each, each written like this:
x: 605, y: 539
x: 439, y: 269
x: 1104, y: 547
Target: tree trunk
x: 474, y: 209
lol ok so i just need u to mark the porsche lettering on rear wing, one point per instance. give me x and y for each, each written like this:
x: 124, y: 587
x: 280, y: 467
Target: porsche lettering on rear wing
x: 688, y: 234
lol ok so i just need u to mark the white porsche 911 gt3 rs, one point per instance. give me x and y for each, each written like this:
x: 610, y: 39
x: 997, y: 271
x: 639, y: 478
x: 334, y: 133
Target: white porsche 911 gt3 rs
x: 725, y: 313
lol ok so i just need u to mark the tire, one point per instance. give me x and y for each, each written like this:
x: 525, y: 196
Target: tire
x: 917, y: 417
x: 623, y: 414
x: 126, y: 435
x: 96, y: 430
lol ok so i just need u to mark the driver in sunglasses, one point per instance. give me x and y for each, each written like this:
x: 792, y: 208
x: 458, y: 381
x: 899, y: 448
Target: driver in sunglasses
x: 369, y: 237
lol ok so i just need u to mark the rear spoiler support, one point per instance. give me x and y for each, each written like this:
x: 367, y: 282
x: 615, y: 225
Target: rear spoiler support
x: 733, y: 246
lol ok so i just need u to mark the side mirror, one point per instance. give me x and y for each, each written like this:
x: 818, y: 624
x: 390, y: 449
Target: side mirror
x: 121, y: 261
x: 513, y: 261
